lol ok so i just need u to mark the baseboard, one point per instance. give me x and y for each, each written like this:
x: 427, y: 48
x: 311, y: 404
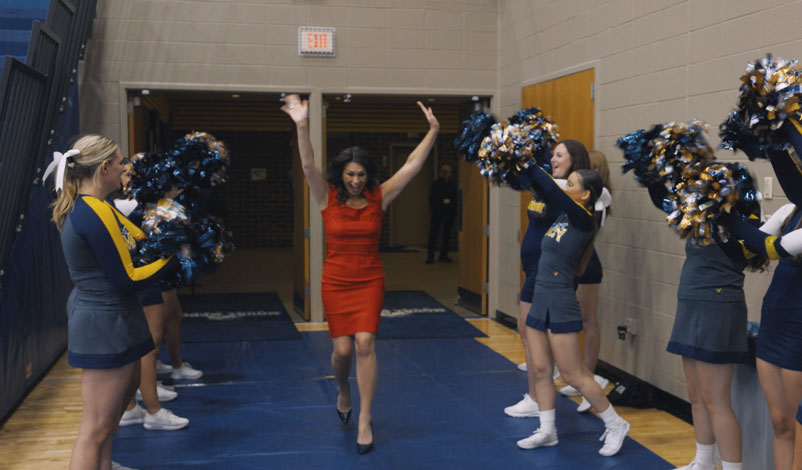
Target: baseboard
x: 507, y: 320
x: 662, y: 399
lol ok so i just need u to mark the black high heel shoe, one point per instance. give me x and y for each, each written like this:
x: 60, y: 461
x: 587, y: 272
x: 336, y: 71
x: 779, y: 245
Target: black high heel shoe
x: 345, y: 416
x: 364, y: 448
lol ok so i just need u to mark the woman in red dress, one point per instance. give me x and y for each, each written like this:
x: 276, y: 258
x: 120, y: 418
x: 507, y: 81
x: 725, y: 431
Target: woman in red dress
x: 352, y: 204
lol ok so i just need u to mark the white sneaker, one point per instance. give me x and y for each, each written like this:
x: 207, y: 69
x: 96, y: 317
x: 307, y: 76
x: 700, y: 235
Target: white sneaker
x: 116, y: 466
x: 164, y: 420
x: 601, y: 381
x: 133, y: 416
x: 613, y: 438
x: 186, y: 372
x: 526, y: 408
x: 162, y: 368
x: 695, y: 466
x: 538, y: 439
x: 522, y: 366
x: 569, y: 391
x: 584, y: 406
x: 556, y: 374
x: 163, y: 393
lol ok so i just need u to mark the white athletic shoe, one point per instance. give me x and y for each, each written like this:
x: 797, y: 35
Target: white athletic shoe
x: 538, y: 439
x: 163, y: 393
x: 569, y: 391
x: 613, y: 437
x: 133, y: 416
x: 695, y: 466
x: 164, y: 420
x: 117, y: 466
x: 522, y: 366
x: 162, y: 368
x: 526, y: 408
x: 601, y: 381
x: 584, y: 406
x: 186, y: 372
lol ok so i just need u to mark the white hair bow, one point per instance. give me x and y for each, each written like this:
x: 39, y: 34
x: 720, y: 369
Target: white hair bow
x: 602, y: 203
x: 60, y: 162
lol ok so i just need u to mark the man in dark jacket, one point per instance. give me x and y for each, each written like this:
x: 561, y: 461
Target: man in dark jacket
x: 443, y: 205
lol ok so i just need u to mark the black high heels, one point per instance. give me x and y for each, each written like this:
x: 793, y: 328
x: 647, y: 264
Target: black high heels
x: 345, y: 416
x: 364, y: 448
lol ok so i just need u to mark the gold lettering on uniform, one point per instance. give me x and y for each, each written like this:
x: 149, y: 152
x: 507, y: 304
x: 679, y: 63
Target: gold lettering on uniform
x: 536, y: 206
x: 556, y: 232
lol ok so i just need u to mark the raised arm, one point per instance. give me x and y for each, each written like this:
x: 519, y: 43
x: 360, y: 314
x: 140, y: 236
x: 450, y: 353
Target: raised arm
x: 760, y: 241
x: 658, y: 193
x: 393, y: 186
x: 579, y: 216
x: 299, y: 112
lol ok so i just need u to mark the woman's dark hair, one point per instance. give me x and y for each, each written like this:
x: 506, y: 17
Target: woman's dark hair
x: 592, y: 182
x: 579, y: 154
x: 335, y: 168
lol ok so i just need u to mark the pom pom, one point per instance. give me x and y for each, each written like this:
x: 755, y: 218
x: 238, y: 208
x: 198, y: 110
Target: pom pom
x: 709, y: 191
x: 679, y: 148
x: 151, y: 177
x: 541, y: 131
x: 637, y: 148
x: 200, y: 161
x: 210, y: 242
x: 510, y: 149
x: 167, y: 228
x: 769, y: 94
x: 474, y: 130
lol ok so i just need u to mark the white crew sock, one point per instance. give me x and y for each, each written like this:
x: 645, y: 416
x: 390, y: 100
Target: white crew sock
x: 547, y: 419
x: 732, y: 465
x: 705, y: 454
x: 609, y: 416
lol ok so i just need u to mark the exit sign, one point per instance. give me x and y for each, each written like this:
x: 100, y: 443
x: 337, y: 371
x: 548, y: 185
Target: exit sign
x: 315, y: 41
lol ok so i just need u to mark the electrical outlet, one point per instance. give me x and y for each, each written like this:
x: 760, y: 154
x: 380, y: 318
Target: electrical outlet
x: 632, y: 325
x: 768, y: 187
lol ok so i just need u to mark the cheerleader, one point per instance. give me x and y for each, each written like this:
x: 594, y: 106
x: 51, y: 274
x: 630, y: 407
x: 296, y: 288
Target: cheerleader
x: 587, y: 292
x: 779, y: 341
x: 554, y: 321
x: 709, y: 334
x: 106, y: 327
x: 569, y: 155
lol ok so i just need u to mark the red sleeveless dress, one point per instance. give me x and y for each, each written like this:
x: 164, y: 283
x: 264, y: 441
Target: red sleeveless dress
x: 352, y: 285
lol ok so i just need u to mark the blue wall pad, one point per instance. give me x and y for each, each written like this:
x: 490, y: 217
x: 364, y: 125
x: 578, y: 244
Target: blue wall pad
x: 439, y: 405
x: 235, y: 317
x: 416, y: 314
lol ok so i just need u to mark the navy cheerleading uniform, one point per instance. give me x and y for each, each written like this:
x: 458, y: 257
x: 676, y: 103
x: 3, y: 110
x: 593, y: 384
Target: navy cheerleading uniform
x: 540, y: 219
x: 152, y: 294
x: 556, y: 307
x: 106, y: 326
x: 710, y: 323
x: 779, y: 340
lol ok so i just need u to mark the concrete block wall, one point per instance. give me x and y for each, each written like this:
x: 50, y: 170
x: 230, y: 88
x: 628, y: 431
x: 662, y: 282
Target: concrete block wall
x: 655, y: 61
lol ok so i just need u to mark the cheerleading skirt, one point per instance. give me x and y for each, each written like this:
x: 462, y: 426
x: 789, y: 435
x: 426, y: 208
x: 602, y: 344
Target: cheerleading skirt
x: 593, y: 271
x: 555, y: 308
x: 779, y: 340
x: 352, y: 307
x: 712, y: 332
x: 105, y: 335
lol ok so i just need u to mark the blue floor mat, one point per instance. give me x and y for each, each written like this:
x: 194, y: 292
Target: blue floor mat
x: 438, y: 405
x: 235, y: 317
x: 416, y: 314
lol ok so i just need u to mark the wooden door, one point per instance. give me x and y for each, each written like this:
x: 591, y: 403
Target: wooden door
x: 471, y: 224
x: 569, y: 102
x: 300, y: 237
x: 409, y: 213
